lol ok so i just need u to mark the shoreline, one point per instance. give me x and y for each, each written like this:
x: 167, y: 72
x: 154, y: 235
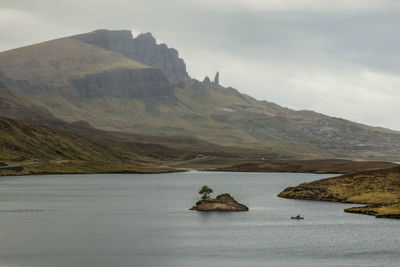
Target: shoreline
x: 376, y: 189
x: 89, y: 173
x: 367, y: 209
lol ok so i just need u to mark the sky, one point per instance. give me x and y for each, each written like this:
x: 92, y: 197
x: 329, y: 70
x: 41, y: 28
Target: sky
x: 340, y: 58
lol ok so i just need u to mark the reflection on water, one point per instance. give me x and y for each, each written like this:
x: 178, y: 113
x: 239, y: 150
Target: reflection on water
x: 144, y: 220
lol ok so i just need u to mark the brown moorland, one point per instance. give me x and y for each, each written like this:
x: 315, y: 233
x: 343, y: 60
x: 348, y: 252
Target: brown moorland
x: 378, y: 188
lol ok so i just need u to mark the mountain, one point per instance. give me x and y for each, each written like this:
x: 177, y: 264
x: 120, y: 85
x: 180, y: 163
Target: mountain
x: 70, y: 68
x: 133, y: 85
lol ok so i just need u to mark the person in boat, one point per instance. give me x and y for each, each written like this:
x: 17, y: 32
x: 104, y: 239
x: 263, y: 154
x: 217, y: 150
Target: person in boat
x: 298, y: 217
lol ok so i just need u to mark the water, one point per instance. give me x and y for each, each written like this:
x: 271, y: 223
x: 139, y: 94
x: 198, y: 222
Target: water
x: 143, y: 220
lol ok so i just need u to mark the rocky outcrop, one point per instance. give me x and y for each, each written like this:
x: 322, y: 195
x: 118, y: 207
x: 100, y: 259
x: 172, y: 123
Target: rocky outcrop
x: 216, y: 78
x: 150, y: 84
x: 206, y: 80
x: 160, y: 56
x: 222, y: 202
x: 143, y: 48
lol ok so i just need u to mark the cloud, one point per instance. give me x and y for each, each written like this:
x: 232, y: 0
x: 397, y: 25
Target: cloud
x: 290, y: 5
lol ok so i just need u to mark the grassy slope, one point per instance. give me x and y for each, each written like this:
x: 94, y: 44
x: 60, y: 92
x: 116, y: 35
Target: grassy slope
x: 193, y: 117
x: 219, y: 115
x: 92, y: 151
x: 216, y: 115
x: 380, y: 188
x: 19, y: 107
x: 309, y: 166
x: 66, y: 152
x: 54, y: 62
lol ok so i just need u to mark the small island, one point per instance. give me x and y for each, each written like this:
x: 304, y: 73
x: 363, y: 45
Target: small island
x: 222, y: 202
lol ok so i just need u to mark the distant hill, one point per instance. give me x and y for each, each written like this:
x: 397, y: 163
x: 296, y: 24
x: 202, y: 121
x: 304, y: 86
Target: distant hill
x: 133, y: 85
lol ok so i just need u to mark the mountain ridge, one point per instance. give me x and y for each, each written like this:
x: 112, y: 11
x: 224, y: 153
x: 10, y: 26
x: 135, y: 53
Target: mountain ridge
x: 143, y: 48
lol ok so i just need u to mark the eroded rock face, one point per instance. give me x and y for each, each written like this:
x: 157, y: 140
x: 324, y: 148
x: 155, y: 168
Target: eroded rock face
x: 222, y: 202
x: 148, y: 84
x: 143, y: 48
x: 216, y: 78
x: 206, y: 80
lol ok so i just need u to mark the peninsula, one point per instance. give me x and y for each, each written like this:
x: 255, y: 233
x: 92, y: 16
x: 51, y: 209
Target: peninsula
x: 377, y: 188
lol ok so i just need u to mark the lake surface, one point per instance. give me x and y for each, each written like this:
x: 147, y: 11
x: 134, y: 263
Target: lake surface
x: 143, y: 220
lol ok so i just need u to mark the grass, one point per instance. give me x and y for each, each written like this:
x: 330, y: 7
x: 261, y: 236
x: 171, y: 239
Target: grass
x: 309, y: 166
x: 380, y: 211
x: 13, y: 106
x: 59, y: 151
x: 94, y: 167
x: 54, y: 62
x: 40, y: 149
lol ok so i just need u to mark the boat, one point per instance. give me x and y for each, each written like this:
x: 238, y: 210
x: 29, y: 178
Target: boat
x: 298, y: 217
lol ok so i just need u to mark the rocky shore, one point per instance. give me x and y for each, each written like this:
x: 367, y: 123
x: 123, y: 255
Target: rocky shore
x: 222, y: 202
x: 391, y: 211
x: 379, y: 189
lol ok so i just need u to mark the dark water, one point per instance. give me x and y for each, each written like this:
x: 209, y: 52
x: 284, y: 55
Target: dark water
x: 143, y: 220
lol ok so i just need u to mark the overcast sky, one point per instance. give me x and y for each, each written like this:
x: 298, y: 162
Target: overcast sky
x: 337, y: 57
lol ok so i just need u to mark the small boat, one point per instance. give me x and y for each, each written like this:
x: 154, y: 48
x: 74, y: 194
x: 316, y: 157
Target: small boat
x: 298, y: 217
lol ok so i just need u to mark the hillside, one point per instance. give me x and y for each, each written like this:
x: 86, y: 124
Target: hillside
x: 44, y: 149
x: 31, y: 148
x: 15, y: 107
x: 379, y: 188
x: 133, y: 85
x: 54, y: 62
x: 20, y: 108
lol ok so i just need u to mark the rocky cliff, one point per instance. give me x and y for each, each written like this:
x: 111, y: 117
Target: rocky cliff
x: 143, y: 48
x: 147, y: 84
